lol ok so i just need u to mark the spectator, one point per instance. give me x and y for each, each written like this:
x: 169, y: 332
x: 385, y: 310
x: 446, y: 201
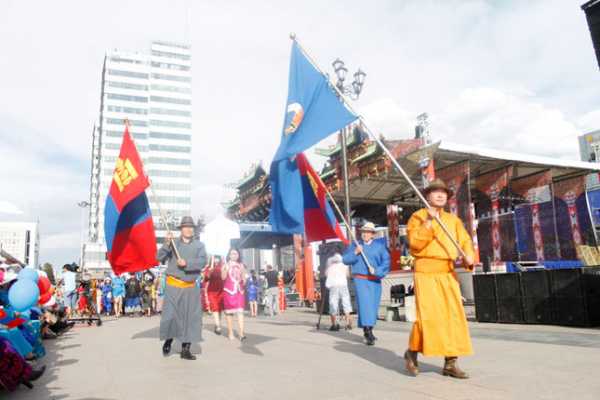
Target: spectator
x: 118, y: 292
x: 337, y: 274
x: 106, y: 295
x: 252, y: 292
x: 69, y: 289
x: 272, y: 292
x: 133, y: 290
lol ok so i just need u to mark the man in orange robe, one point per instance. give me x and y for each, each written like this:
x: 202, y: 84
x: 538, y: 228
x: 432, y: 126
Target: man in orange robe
x: 441, y: 326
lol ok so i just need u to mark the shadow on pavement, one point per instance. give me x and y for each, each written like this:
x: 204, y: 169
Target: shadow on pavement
x: 381, y: 357
x: 250, y: 345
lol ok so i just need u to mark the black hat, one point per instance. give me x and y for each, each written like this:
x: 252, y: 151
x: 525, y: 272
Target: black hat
x: 187, y: 221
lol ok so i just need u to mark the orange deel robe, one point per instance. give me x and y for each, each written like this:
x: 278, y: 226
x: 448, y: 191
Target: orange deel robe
x: 441, y: 327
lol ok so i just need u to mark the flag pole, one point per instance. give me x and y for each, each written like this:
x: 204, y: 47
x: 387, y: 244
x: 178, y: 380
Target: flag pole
x: 349, y: 228
x: 160, y: 211
x: 383, y: 147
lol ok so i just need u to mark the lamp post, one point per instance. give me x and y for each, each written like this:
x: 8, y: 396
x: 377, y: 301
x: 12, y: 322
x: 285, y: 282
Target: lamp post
x: 353, y: 91
x: 83, y: 205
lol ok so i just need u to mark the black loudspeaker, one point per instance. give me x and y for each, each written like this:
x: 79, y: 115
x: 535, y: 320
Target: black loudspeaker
x: 592, y: 14
x: 569, y: 297
x: 537, y: 303
x: 484, y: 288
x: 508, y: 292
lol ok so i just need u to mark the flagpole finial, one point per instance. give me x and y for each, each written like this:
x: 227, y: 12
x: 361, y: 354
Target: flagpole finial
x: 292, y: 36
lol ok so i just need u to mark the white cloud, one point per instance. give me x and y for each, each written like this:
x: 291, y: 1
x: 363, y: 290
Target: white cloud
x: 6, y: 207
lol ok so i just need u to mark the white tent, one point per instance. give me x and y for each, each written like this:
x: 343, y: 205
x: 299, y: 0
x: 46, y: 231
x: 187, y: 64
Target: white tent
x: 217, y: 235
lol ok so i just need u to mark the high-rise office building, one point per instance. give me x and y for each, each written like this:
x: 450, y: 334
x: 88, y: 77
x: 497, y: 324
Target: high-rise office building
x: 153, y: 91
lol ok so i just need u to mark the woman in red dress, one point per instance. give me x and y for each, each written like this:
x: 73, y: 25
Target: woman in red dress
x: 281, y: 286
x: 214, y: 291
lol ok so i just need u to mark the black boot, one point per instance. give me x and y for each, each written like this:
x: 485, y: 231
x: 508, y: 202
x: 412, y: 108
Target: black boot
x: 167, y: 347
x: 371, y: 333
x: 368, y: 336
x: 186, y: 354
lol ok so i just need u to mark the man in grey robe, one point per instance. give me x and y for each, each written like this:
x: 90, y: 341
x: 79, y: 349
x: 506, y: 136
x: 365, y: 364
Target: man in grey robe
x: 182, y: 309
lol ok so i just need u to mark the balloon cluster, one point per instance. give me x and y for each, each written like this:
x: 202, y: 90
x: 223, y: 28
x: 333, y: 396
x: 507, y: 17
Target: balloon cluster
x: 29, y: 290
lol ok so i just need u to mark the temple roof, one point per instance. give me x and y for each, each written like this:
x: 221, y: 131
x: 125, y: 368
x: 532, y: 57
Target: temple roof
x: 256, y: 171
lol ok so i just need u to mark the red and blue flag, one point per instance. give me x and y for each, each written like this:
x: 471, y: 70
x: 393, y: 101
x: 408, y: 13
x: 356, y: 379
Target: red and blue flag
x: 128, y: 226
x: 319, y: 219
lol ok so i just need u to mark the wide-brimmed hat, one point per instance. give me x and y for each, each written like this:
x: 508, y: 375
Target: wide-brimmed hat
x: 187, y: 221
x: 368, y: 227
x: 437, y: 184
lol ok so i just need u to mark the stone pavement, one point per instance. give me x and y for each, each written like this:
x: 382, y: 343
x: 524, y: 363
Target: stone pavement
x: 287, y: 358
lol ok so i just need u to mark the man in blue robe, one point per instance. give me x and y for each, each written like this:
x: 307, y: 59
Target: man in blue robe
x: 367, y: 279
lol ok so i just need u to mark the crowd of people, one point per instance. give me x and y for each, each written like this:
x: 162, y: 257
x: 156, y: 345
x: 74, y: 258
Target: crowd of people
x: 29, y: 314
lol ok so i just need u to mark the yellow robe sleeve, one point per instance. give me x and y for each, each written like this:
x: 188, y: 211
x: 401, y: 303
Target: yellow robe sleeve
x: 419, y: 235
x: 464, y: 239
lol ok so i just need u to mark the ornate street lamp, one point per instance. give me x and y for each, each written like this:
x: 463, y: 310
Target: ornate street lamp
x: 353, y: 91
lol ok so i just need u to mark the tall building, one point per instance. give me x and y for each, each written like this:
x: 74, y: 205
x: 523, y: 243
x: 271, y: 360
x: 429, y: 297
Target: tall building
x: 589, y: 146
x: 21, y: 240
x: 153, y: 91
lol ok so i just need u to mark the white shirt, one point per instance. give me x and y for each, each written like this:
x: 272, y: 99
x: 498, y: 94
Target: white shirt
x: 337, y: 272
x: 69, y: 279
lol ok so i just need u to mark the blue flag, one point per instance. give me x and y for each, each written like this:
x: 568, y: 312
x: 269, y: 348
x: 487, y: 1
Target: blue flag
x: 313, y: 109
x: 313, y: 112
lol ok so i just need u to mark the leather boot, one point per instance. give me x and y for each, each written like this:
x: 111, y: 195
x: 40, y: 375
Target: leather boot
x: 411, y: 363
x: 167, y: 347
x: 371, y: 333
x: 186, y: 354
x: 368, y: 336
x: 451, y: 369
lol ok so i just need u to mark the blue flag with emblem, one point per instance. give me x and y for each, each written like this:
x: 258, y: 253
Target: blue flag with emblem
x: 313, y: 112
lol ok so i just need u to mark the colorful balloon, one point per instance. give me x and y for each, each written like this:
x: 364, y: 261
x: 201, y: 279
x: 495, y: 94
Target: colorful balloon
x: 23, y: 295
x: 29, y: 273
x: 45, y: 297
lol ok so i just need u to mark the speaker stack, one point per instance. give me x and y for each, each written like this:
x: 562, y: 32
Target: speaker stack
x: 537, y: 301
x: 486, y: 307
x: 568, y: 297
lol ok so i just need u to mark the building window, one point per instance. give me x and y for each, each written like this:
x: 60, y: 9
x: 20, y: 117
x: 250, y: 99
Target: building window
x: 175, y: 67
x: 129, y: 74
x: 127, y: 110
x: 125, y: 85
x: 176, y: 149
x: 170, y: 100
x: 176, y: 45
x: 119, y: 134
x: 171, y: 186
x: 168, y: 54
x: 120, y: 121
x: 125, y: 60
x: 173, y: 136
x: 172, y: 124
x: 114, y: 96
x: 174, y: 199
x: 167, y: 88
x: 170, y: 174
x: 117, y: 146
x: 172, y: 78
x: 165, y: 111
x: 170, y: 161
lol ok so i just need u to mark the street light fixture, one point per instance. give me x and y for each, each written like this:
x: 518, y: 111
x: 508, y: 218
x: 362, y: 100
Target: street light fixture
x: 83, y: 205
x: 353, y: 91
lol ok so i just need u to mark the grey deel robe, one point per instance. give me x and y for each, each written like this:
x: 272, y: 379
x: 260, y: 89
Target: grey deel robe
x: 181, y: 317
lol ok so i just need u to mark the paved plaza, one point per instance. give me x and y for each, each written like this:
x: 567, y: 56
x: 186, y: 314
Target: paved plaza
x: 287, y: 358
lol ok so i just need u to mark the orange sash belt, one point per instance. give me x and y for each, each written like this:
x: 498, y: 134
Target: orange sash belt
x: 178, y: 283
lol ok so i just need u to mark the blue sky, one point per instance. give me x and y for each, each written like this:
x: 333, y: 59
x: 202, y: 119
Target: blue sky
x: 490, y: 73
